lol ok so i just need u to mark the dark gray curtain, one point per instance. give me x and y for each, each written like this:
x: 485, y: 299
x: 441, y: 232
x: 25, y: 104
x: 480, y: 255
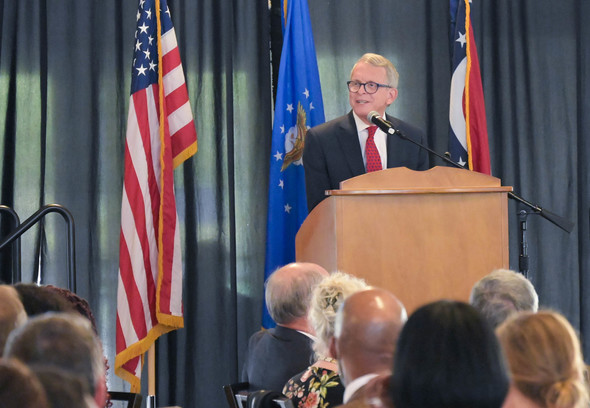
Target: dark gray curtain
x: 65, y: 69
x: 64, y: 88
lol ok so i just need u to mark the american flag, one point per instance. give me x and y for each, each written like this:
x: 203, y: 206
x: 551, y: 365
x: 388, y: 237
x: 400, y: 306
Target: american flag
x: 160, y: 135
x: 468, y: 136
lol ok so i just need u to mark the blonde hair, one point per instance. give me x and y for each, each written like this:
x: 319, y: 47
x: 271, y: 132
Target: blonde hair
x: 545, y: 359
x: 327, y: 297
x: 377, y: 60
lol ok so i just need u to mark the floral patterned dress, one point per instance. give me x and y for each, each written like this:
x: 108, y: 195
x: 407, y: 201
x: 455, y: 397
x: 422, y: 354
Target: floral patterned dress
x: 316, y: 387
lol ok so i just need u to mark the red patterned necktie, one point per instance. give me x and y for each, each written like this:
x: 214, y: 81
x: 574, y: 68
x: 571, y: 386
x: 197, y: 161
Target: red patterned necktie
x: 371, y: 152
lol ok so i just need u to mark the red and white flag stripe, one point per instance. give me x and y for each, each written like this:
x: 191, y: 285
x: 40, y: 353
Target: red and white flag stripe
x: 149, y: 298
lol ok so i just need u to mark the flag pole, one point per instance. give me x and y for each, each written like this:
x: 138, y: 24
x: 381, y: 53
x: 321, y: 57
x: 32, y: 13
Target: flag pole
x: 151, y: 403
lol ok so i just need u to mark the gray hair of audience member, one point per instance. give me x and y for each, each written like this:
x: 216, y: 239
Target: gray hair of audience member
x: 288, y: 290
x: 63, y: 340
x: 326, y: 298
x: 502, y: 293
x: 20, y: 387
x: 377, y: 60
x: 12, y: 313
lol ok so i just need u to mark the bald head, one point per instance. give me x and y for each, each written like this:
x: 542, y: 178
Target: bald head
x: 12, y: 313
x: 288, y: 291
x: 367, y: 327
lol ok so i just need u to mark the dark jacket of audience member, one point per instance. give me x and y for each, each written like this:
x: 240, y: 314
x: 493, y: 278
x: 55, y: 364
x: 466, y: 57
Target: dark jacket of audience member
x: 275, y: 355
x: 448, y: 356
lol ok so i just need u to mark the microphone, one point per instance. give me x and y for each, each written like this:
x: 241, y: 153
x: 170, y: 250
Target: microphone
x: 383, y: 124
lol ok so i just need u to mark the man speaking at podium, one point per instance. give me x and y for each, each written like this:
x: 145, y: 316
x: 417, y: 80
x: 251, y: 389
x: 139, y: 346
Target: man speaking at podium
x: 351, y: 145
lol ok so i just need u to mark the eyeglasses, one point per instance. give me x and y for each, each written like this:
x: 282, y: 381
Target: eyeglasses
x: 370, y: 87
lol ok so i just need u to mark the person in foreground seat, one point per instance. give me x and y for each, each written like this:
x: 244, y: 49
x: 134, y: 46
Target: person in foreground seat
x: 502, y: 293
x: 320, y: 385
x: 448, y: 356
x: 277, y: 354
x: 63, y: 340
x: 367, y: 327
x: 545, y: 361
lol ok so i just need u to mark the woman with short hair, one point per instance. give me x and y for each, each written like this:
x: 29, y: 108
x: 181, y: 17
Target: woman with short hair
x: 320, y: 384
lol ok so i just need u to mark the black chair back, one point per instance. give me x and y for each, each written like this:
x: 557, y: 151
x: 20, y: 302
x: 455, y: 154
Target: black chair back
x: 268, y: 399
x: 133, y: 400
x: 236, y: 394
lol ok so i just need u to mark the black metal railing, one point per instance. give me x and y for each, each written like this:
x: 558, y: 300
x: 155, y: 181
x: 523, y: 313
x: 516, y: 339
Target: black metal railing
x: 16, y: 270
x: 32, y: 220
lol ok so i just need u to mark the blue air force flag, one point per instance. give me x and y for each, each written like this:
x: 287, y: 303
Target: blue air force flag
x: 298, y: 107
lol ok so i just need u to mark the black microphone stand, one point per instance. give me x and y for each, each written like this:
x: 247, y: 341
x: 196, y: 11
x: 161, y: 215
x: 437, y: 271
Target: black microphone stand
x: 559, y: 221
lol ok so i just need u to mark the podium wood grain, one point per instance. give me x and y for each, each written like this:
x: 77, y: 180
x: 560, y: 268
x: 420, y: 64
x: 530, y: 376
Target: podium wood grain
x: 422, y: 235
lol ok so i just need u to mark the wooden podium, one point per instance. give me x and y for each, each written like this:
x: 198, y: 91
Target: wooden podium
x: 423, y: 235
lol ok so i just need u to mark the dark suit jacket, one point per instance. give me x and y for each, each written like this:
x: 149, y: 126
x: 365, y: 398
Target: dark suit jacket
x: 274, y: 356
x: 332, y: 154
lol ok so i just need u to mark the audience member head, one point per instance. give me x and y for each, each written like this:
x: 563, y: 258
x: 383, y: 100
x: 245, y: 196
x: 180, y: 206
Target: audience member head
x: 502, y: 293
x: 448, y: 356
x: 63, y: 340
x: 288, y: 293
x: 326, y: 298
x: 77, y: 302
x: 19, y: 387
x: 12, y: 313
x: 545, y: 360
x: 365, y: 332
x: 39, y: 299
x: 63, y: 389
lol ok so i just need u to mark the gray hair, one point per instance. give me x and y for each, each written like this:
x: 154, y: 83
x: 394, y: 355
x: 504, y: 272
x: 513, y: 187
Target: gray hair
x: 502, y: 293
x: 63, y: 340
x: 289, y: 299
x: 325, y: 301
x: 377, y: 60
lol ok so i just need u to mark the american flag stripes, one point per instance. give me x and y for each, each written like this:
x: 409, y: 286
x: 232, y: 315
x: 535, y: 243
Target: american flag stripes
x: 468, y: 138
x: 160, y: 135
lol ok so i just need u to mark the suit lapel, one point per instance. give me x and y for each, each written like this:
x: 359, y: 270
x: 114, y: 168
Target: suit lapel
x: 392, y: 145
x: 349, y: 142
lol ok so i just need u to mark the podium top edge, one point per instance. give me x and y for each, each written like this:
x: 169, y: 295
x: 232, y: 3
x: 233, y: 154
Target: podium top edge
x: 418, y: 190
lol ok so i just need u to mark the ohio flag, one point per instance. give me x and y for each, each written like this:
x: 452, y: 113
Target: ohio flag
x: 298, y: 107
x: 468, y: 135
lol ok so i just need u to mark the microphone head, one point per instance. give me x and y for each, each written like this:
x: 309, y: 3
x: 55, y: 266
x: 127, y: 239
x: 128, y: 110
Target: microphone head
x: 371, y: 115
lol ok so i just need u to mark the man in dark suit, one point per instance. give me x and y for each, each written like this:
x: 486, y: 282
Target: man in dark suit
x: 337, y: 150
x: 276, y: 355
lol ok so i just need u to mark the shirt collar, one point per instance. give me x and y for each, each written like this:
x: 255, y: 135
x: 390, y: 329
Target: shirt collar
x: 356, y: 384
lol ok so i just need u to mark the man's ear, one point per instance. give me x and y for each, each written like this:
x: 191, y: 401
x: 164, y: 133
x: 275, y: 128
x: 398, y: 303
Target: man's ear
x: 392, y: 96
x: 333, y: 348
